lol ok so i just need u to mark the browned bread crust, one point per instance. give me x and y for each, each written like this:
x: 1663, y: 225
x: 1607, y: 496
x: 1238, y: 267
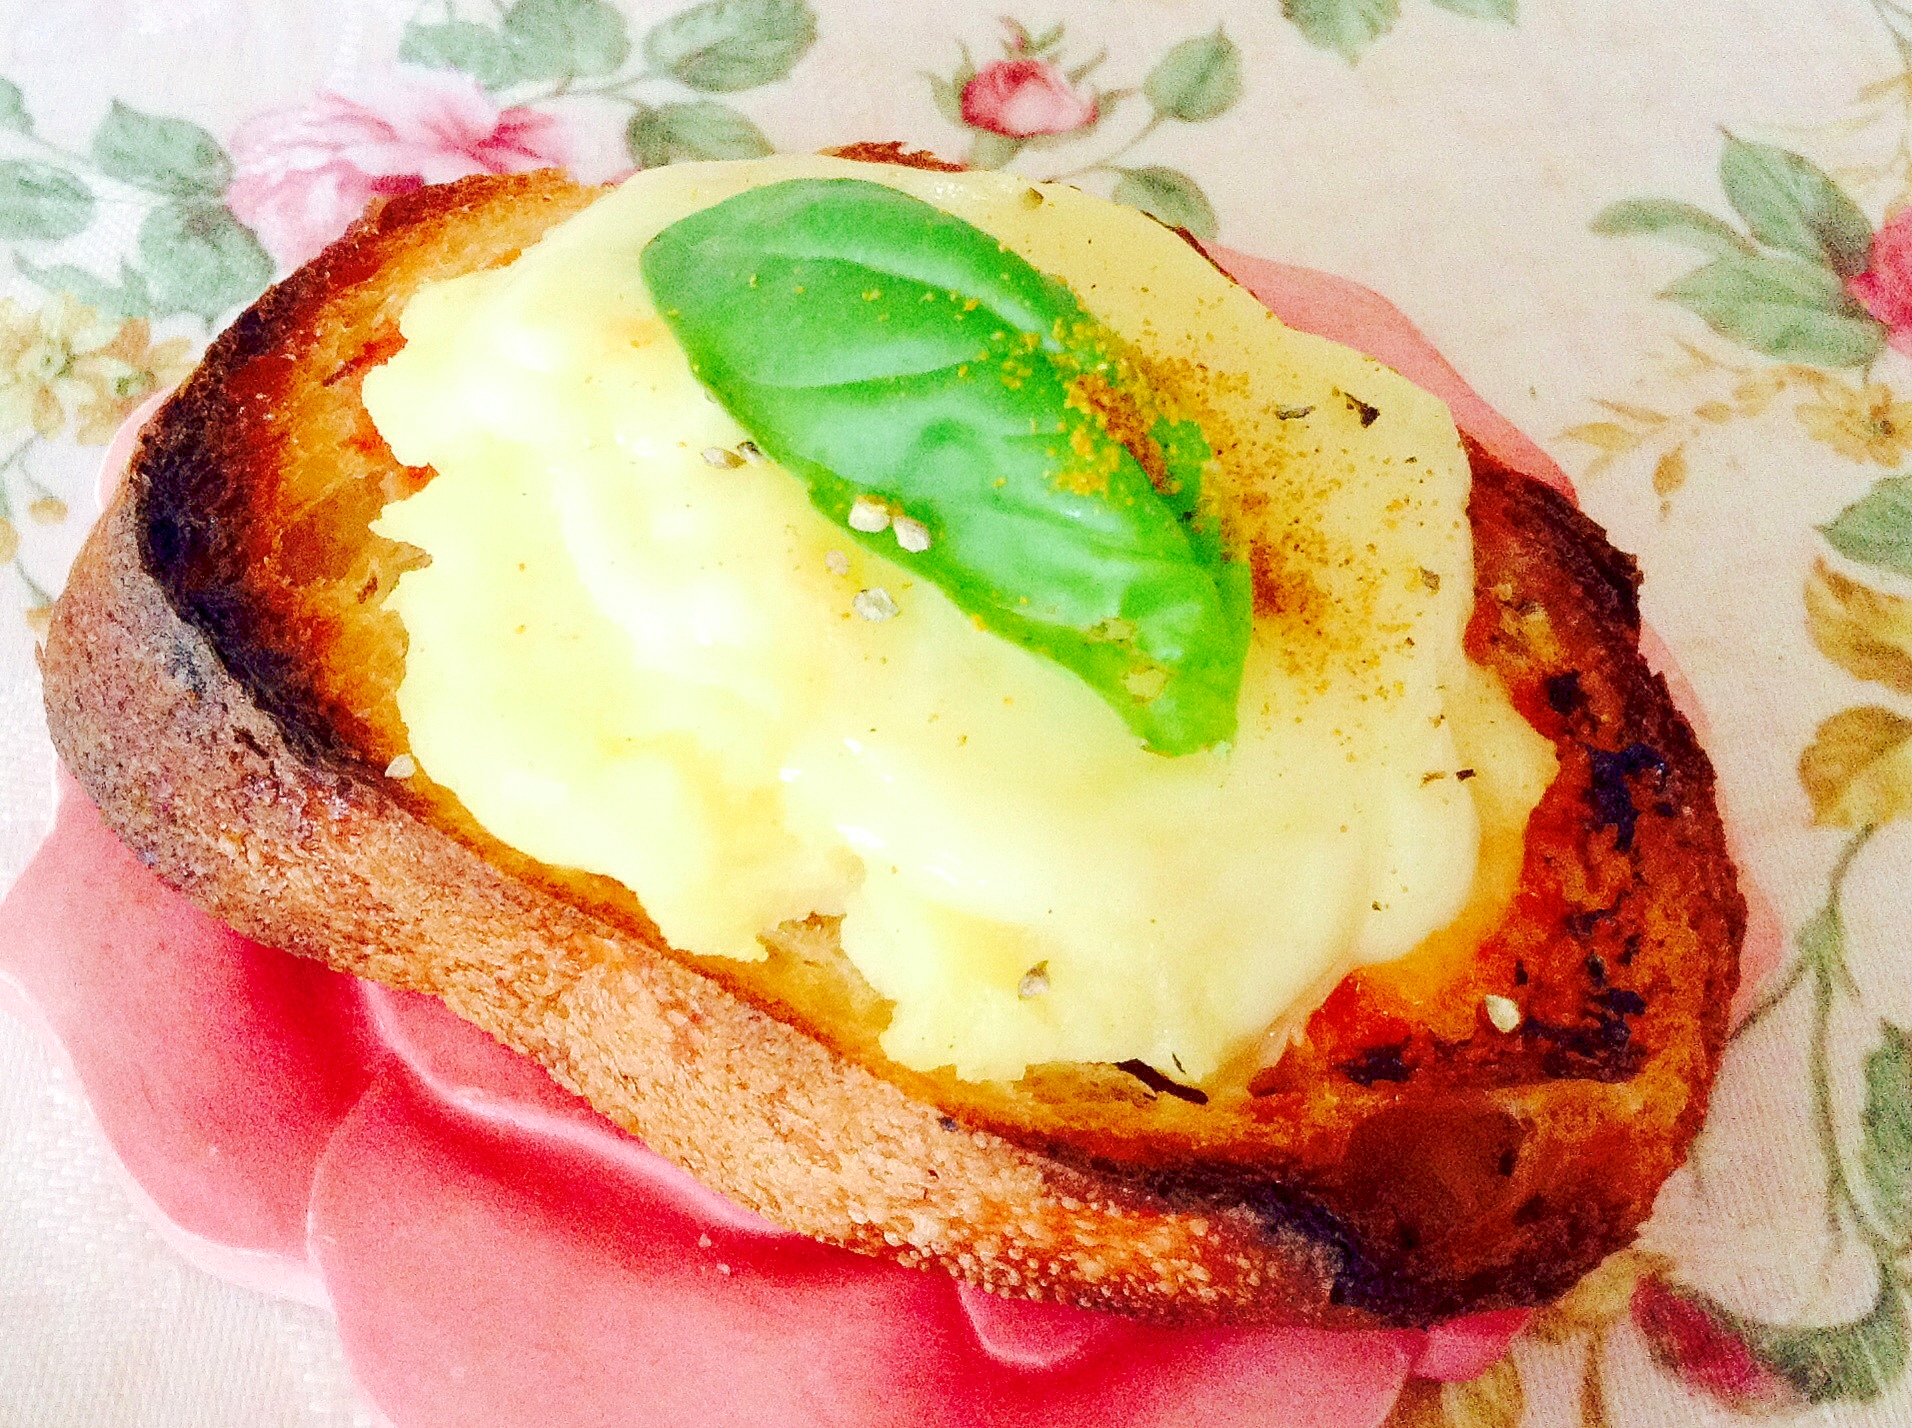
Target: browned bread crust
x: 219, y: 676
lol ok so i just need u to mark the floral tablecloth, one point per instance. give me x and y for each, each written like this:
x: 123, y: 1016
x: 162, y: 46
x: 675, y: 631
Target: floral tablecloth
x: 1666, y: 240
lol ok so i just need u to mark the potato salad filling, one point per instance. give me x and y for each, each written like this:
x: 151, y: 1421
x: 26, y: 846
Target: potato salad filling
x: 1110, y: 732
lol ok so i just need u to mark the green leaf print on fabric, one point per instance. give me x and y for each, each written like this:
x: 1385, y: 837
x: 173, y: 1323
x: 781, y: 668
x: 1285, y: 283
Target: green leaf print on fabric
x: 992, y: 151
x: 1810, y: 283
x: 169, y: 156
x: 472, y: 49
x: 1849, y: 778
x: 536, y: 40
x: 1886, y: 1153
x: 191, y: 255
x: 703, y: 130
x: 1756, y: 1369
x: 1858, y: 1360
x: 40, y: 203
x: 199, y: 259
x: 717, y: 47
x: 1877, y: 528
x: 1347, y: 27
x: 1674, y: 221
x: 565, y: 39
x: 1783, y: 291
x: 948, y: 93
x: 1169, y: 195
x: 129, y: 297
x: 1790, y: 204
x: 1503, y: 10
x: 13, y: 109
x: 727, y: 45
x: 1198, y: 80
x: 1798, y: 312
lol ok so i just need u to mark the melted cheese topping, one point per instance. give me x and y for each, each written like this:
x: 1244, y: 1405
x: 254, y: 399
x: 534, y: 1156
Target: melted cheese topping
x: 630, y: 655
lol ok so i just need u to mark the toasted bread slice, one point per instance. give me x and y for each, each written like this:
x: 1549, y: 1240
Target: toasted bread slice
x: 220, y: 676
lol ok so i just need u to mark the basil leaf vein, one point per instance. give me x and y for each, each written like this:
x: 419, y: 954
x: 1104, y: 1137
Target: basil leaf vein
x: 876, y: 346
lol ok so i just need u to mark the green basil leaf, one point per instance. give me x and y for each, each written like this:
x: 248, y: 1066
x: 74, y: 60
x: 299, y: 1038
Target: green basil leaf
x: 877, y: 346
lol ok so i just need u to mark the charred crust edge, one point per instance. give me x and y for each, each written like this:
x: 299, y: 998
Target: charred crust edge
x: 177, y: 475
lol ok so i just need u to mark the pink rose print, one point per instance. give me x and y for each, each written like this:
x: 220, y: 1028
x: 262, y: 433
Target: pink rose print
x: 1021, y: 98
x: 1691, y: 1339
x: 1884, y: 289
x: 302, y: 175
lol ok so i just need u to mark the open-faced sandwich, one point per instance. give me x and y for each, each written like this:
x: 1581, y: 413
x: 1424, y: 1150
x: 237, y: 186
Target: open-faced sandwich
x: 914, y: 693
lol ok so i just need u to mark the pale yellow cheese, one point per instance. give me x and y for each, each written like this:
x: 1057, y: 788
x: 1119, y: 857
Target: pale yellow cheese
x: 629, y: 655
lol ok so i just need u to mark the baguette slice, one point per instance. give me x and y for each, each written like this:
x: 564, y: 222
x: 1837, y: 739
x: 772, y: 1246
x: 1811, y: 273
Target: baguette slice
x: 220, y: 677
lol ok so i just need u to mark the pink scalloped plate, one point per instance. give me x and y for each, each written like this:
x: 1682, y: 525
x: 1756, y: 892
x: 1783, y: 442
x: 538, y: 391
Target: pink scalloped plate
x: 497, y: 1253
